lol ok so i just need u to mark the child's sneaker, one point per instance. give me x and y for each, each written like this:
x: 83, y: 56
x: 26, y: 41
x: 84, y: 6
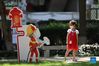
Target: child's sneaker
x: 75, y: 60
x: 64, y: 62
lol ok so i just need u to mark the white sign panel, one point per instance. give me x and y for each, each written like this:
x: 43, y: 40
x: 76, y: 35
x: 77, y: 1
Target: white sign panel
x: 27, y: 42
x: 23, y: 44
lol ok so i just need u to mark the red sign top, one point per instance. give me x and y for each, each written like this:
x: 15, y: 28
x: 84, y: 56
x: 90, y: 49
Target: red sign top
x: 15, y: 15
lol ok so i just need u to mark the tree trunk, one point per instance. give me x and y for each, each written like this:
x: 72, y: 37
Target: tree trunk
x: 82, y: 12
x: 6, y: 34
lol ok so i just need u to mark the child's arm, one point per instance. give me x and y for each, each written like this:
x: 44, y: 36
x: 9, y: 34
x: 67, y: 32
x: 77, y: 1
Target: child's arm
x: 77, y: 33
x: 67, y: 38
x: 77, y: 38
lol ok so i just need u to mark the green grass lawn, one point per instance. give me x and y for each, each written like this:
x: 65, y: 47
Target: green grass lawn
x: 48, y: 63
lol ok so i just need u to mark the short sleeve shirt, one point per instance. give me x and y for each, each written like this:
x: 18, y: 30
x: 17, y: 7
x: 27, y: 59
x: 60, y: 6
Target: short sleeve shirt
x: 70, y: 30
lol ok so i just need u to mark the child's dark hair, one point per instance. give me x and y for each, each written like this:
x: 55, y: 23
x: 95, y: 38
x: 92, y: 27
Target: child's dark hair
x: 73, y: 23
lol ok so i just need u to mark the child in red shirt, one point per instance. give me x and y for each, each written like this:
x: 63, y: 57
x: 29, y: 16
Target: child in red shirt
x: 72, y: 39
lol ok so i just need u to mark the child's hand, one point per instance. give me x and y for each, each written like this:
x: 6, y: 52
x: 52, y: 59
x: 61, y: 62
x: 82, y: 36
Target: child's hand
x: 70, y: 42
x: 66, y: 42
x: 40, y: 43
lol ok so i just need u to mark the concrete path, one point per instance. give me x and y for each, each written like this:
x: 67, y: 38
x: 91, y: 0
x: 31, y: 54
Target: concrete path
x: 82, y: 59
x: 56, y: 58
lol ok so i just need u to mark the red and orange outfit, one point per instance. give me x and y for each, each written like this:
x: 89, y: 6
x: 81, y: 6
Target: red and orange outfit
x: 72, y: 40
x: 33, y: 42
x: 33, y: 49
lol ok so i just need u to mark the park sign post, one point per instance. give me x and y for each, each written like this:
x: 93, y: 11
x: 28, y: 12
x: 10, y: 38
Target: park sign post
x: 15, y: 15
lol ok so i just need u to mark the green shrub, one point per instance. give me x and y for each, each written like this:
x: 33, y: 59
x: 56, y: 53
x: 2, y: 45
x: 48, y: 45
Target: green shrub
x: 55, y: 25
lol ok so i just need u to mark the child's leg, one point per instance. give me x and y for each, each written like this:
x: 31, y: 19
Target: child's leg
x: 67, y: 53
x: 74, y: 55
x: 37, y: 54
x: 31, y: 55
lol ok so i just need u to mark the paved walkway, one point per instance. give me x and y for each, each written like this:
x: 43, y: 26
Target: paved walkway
x: 83, y: 59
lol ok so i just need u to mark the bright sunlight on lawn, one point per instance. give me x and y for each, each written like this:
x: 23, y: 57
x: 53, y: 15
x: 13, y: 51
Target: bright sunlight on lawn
x: 48, y: 63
